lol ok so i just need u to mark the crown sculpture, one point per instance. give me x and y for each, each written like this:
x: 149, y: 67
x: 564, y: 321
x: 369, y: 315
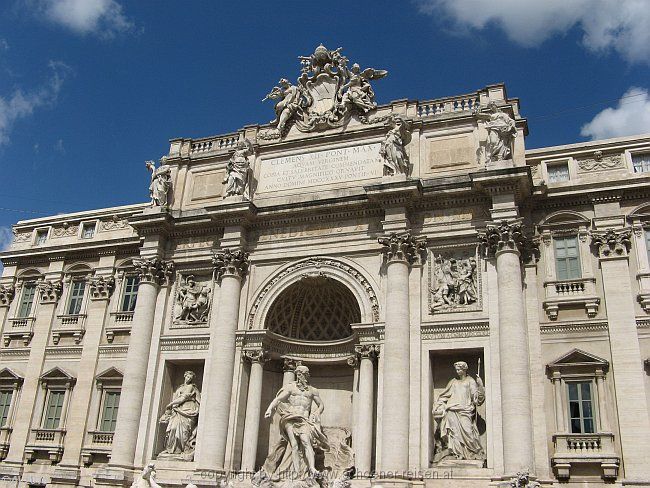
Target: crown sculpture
x: 328, y: 93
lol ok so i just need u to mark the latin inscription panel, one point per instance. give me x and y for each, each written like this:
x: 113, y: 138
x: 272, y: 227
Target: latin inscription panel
x: 320, y: 168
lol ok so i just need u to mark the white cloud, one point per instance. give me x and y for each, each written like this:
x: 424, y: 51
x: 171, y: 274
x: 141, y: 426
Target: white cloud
x: 621, y: 25
x: 22, y: 104
x: 6, y: 238
x: 59, y: 147
x: 104, y: 18
x: 630, y: 116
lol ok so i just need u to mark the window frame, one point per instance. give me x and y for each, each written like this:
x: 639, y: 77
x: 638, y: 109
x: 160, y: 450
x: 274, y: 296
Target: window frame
x: 566, y: 161
x: 557, y: 259
x: 78, y: 299
x: 5, y: 408
x: 581, y: 417
x: 41, y: 231
x: 55, y: 380
x: 32, y: 284
x: 61, y: 407
x: 106, y: 392
x: 10, y: 381
x: 123, y: 292
x: 84, y: 226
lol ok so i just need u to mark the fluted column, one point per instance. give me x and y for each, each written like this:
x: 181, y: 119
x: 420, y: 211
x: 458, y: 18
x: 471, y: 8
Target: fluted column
x: 257, y: 359
x: 400, y: 250
x: 153, y: 271
x: 230, y: 267
x: 365, y: 408
x: 289, y: 371
x: 613, y: 247
x: 506, y: 242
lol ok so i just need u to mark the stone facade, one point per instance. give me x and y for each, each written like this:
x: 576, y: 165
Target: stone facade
x: 476, y: 312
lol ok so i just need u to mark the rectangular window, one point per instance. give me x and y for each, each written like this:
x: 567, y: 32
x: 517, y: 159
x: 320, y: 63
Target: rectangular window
x: 557, y: 172
x: 641, y: 162
x: 130, y: 294
x: 26, y: 300
x: 567, y: 258
x: 581, y: 411
x: 54, y: 409
x: 41, y: 237
x: 5, y: 403
x: 109, y: 413
x: 76, y: 297
x: 88, y: 230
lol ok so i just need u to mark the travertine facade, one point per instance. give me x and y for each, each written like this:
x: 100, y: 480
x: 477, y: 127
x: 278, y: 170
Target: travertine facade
x: 458, y: 308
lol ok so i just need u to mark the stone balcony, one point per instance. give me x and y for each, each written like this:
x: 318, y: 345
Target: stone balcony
x: 19, y: 328
x: 5, y: 437
x: 71, y: 325
x: 45, y: 440
x: 96, y: 443
x: 566, y: 293
x: 644, y: 290
x: 595, y: 449
x: 120, y: 323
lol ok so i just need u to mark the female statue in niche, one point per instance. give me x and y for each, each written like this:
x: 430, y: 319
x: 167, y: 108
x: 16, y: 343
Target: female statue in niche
x: 455, y: 411
x: 181, y: 417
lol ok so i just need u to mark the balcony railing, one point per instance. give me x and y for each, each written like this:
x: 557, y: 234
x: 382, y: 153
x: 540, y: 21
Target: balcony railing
x: 46, y: 440
x: 19, y: 328
x: 462, y: 103
x: 97, y: 443
x: 572, y: 449
x: 204, y: 146
x: 102, y: 438
x: 120, y: 324
x: 560, y: 293
x: 69, y: 324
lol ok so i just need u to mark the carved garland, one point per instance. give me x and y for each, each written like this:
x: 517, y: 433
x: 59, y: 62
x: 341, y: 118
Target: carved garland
x: 101, y: 287
x: 318, y: 262
x: 7, y: 293
x: 612, y: 243
x: 50, y: 290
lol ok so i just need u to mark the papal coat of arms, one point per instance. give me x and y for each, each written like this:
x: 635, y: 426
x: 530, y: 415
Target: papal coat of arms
x: 328, y: 93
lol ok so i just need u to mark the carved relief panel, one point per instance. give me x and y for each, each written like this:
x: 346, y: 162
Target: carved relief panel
x: 192, y: 300
x: 454, y: 280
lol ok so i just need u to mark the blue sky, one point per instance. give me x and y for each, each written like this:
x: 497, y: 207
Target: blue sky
x: 90, y: 89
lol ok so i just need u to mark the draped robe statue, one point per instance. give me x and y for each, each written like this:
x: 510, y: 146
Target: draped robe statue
x: 181, y: 417
x: 455, y: 410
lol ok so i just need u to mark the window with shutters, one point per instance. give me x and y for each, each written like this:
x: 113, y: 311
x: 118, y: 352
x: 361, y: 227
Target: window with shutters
x: 130, y: 293
x: 567, y: 258
x: 109, y: 411
x: 76, y: 297
x: 26, y: 300
x: 54, y: 409
x: 5, y: 405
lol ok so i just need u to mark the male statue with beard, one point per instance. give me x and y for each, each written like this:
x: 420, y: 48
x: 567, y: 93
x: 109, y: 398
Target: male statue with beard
x: 293, y: 457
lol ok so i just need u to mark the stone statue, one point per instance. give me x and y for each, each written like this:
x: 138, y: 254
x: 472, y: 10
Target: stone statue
x: 393, y: 147
x: 289, y: 97
x: 193, y: 302
x: 455, y: 412
x: 181, y: 417
x: 238, y: 169
x: 454, y: 283
x: 294, y: 455
x: 161, y: 183
x: 147, y: 478
x: 522, y: 480
x: 359, y: 92
x: 501, y: 133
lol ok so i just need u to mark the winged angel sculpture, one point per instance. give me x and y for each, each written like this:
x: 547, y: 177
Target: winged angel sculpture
x: 328, y: 93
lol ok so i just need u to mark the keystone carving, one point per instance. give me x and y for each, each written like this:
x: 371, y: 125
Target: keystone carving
x: 403, y: 247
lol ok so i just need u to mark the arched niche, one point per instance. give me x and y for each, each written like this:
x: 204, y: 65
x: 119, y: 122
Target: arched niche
x: 342, y: 272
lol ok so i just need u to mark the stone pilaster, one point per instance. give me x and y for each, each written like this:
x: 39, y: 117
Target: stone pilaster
x: 366, y: 355
x: 230, y: 268
x: 507, y: 243
x: 7, y: 293
x: 100, y: 289
x: 400, y: 251
x: 257, y: 358
x: 613, y: 247
x: 153, y: 272
x: 49, y: 291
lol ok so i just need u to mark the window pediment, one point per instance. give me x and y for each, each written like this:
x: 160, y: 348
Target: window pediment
x: 9, y: 378
x: 57, y: 376
x: 576, y: 361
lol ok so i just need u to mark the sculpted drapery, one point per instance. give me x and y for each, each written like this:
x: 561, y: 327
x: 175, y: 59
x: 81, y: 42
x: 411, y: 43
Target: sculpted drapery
x: 181, y: 418
x: 455, y: 410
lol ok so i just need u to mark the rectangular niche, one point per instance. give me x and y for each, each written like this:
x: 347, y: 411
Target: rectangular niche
x: 452, y: 400
x: 192, y: 299
x: 173, y: 378
x: 455, y: 283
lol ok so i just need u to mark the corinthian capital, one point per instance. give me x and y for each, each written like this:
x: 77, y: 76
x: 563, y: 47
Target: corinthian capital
x: 101, y: 287
x: 612, y: 243
x: 7, y: 293
x: 507, y: 236
x: 255, y: 355
x: 403, y: 247
x: 154, y: 270
x: 50, y: 290
x: 230, y: 262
